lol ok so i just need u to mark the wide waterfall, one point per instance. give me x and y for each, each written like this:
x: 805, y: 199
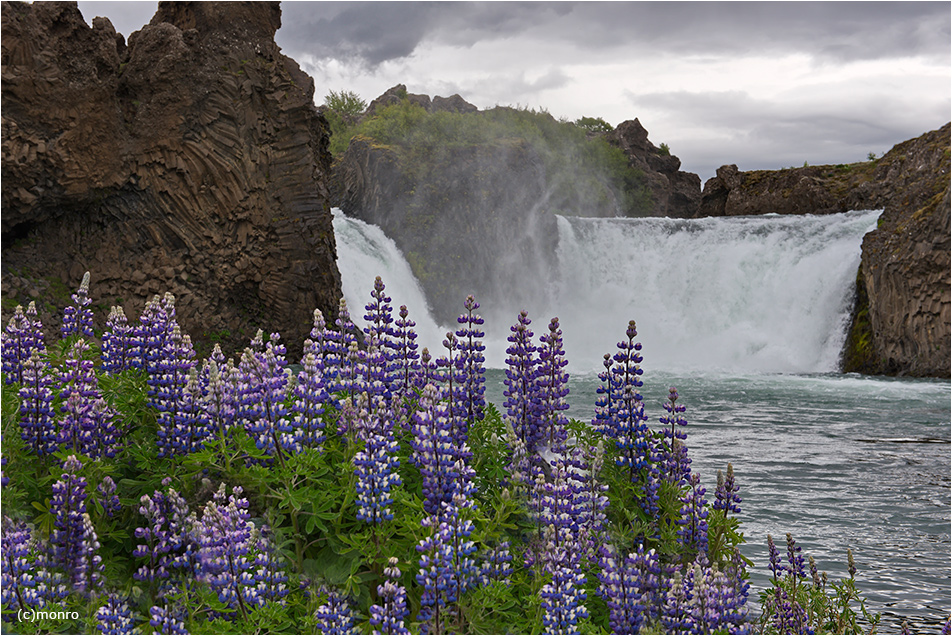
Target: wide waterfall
x: 740, y: 294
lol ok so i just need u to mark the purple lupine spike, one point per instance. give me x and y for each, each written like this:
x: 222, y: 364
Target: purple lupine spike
x: 562, y: 600
x: 118, y: 342
x: 672, y: 453
x: 226, y: 540
x: 705, y: 601
x: 622, y: 415
x: 795, y: 558
x: 19, y: 584
x: 114, y: 616
x: 471, y: 362
x: 166, y: 620
x: 429, y: 372
x: 376, y: 470
x: 169, y: 377
x: 406, y: 357
x: 37, y: 418
x: 692, y: 533
x: 270, y: 575
x: 337, y: 348
x: 191, y: 426
x: 776, y: 568
x: 335, y: 615
x: 388, y: 618
x: 22, y: 337
x: 618, y: 585
x: 442, y: 463
x: 591, y: 501
x: 310, y: 396
x: 262, y: 394
x: 380, y: 336
x: 447, y: 566
x: 522, y: 404
x: 88, y: 425
x: 73, y: 540
x: 553, y: 387
x: 558, y: 508
x: 106, y: 491
x: 496, y: 564
x: 78, y: 317
x: 149, y: 335
x: 158, y: 543
x: 453, y: 391
x: 725, y: 496
x: 218, y: 401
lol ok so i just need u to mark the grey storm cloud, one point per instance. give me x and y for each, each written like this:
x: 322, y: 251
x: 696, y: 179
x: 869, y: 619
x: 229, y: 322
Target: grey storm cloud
x: 375, y: 32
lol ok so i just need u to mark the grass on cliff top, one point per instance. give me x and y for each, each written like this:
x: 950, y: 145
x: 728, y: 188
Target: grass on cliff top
x: 581, y: 171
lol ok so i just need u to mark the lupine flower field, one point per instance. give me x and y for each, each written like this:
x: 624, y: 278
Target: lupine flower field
x: 368, y: 489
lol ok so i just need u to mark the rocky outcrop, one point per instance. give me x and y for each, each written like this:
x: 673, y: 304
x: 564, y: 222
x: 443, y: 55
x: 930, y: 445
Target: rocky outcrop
x: 907, y: 172
x: 395, y: 95
x: 191, y: 160
x: 675, y: 194
x: 904, y: 326
x: 901, y: 322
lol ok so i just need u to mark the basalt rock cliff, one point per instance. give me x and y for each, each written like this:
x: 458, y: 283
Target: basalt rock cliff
x: 901, y: 321
x: 190, y: 160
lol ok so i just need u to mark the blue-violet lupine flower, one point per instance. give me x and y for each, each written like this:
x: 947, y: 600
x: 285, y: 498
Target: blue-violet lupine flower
x: 226, y: 542
x: 406, y: 357
x: 270, y: 576
x: 37, y: 418
x: 335, y: 615
x: 309, y: 398
x: 562, y: 600
x: 553, y: 387
x: 470, y: 363
x: 693, y: 531
x: 108, y: 499
x: 118, y: 342
x: 376, y: 469
x: 166, y: 621
x: 19, y: 586
x: 522, y: 401
x: 114, y: 616
x: 672, y: 453
x: 447, y: 566
x: 388, y: 618
x: 168, y: 377
x: 78, y: 317
x: 22, y: 337
x: 726, y: 495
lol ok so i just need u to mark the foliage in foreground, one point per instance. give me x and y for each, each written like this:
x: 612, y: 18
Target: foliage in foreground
x: 373, y: 490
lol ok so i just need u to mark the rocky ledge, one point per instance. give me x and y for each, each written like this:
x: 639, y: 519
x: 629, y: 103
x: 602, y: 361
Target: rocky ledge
x: 191, y: 160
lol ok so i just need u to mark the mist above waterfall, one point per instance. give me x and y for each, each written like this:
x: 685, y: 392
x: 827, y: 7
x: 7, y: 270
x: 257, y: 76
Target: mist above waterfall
x: 744, y: 294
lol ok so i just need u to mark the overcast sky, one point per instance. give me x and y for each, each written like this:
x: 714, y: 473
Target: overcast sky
x: 762, y: 85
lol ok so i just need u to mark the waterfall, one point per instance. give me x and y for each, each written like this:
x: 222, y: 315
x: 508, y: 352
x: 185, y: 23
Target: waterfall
x: 761, y: 294
x: 737, y: 295
x: 365, y: 252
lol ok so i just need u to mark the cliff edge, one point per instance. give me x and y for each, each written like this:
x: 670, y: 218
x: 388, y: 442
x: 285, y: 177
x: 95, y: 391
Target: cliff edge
x: 191, y: 160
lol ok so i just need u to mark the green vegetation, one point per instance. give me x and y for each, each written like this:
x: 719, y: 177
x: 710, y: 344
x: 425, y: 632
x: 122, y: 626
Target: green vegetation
x: 593, y: 124
x: 342, y: 110
x: 582, y: 173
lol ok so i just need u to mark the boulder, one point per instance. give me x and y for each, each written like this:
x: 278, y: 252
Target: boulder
x: 191, y: 160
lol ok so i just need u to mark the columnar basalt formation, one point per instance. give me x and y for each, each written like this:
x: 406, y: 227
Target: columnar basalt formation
x: 191, y: 160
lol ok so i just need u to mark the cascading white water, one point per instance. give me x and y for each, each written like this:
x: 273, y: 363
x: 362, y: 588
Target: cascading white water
x: 762, y: 294
x: 365, y: 252
x: 743, y: 294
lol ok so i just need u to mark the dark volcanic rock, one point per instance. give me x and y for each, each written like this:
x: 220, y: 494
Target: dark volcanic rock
x: 675, y: 193
x: 192, y: 161
x: 452, y: 104
x: 905, y: 268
